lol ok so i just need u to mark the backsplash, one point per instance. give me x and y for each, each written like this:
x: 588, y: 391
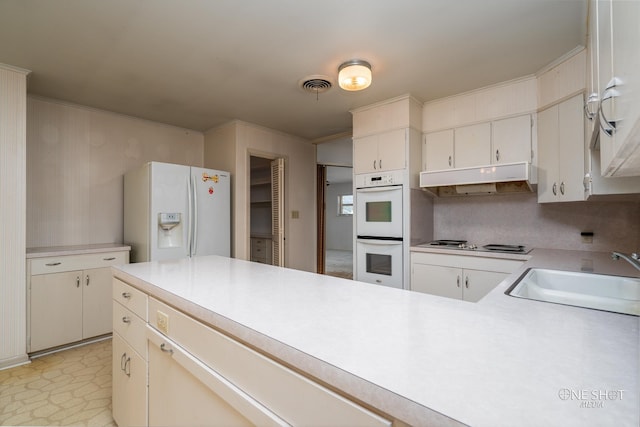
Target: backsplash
x: 520, y: 219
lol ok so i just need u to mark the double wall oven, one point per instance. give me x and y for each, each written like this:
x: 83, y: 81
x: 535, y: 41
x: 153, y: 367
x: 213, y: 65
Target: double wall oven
x: 379, y: 228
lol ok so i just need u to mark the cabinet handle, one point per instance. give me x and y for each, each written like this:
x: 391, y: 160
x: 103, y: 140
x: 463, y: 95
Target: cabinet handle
x: 126, y: 295
x: 497, y: 155
x: 87, y: 281
x: 458, y: 281
x: 53, y: 264
x: 555, y: 189
x: 466, y: 282
x: 610, y: 92
x: 374, y: 164
x: 126, y: 319
x: 166, y: 350
x: 380, y: 164
x: 587, y: 106
x: 111, y: 258
x: 562, y: 188
x: 123, y: 361
x: 77, y: 281
x: 450, y: 160
x: 127, y: 367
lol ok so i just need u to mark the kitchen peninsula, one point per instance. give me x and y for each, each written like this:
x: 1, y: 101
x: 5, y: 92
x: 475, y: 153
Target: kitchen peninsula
x: 397, y: 355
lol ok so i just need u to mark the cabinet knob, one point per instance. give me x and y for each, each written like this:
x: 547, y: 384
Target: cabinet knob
x: 123, y: 359
x: 458, y: 281
x: 380, y: 164
x: 87, y: 280
x: 126, y: 295
x: 610, y: 92
x: 109, y: 259
x: 562, y: 188
x: 77, y: 281
x: 53, y: 264
x: 497, y: 155
x: 165, y: 349
x: 466, y: 282
x: 554, y: 189
x: 374, y: 164
x: 450, y: 160
x: 126, y: 319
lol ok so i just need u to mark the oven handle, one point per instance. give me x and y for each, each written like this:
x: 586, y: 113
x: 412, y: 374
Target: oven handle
x: 379, y: 242
x: 379, y: 189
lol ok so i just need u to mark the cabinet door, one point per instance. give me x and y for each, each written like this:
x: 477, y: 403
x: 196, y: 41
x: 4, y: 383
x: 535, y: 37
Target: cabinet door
x: 184, y: 391
x: 365, y: 154
x: 511, y: 141
x: 548, y: 155
x: 55, y: 309
x: 472, y: 145
x: 392, y: 150
x: 129, y: 374
x: 437, y: 280
x: 478, y: 283
x: 437, y: 151
x: 96, y: 302
x: 571, y: 149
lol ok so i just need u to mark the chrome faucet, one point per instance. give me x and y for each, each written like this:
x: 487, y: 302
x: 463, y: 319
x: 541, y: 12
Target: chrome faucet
x: 632, y: 259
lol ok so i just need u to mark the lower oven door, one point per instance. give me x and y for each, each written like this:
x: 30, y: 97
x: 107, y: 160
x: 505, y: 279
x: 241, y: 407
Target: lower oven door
x: 379, y: 262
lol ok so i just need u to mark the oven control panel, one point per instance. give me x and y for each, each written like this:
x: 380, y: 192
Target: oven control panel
x: 379, y: 179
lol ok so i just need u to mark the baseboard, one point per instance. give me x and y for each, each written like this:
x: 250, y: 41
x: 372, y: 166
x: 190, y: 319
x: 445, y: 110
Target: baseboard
x: 12, y: 362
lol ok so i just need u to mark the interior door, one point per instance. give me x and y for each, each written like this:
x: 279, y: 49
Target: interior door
x: 277, y: 212
x: 211, y: 212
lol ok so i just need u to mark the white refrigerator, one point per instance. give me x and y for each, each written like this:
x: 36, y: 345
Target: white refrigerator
x: 175, y: 211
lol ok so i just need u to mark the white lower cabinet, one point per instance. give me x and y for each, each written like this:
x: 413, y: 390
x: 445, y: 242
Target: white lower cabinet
x: 199, y: 376
x: 68, y: 300
x: 461, y: 277
x: 129, y: 370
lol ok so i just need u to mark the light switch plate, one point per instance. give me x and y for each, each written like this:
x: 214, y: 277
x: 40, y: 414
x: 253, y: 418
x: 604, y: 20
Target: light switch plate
x: 162, y: 321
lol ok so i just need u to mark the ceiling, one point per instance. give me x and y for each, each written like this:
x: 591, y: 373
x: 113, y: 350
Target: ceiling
x: 201, y: 63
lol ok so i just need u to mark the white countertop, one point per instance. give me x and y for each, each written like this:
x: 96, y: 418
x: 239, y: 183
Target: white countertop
x: 421, y: 358
x: 75, y: 250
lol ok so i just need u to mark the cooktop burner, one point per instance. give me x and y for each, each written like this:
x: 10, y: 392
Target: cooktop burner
x: 493, y: 247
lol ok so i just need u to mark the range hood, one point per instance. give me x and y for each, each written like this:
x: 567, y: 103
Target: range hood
x: 490, y: 179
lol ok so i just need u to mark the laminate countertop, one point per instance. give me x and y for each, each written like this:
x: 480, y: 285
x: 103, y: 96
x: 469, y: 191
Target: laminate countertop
x: 44, y: 252
x: 424, y: 359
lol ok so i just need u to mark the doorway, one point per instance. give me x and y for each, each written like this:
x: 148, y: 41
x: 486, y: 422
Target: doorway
x: 266, y: 205
x: 336, y: 221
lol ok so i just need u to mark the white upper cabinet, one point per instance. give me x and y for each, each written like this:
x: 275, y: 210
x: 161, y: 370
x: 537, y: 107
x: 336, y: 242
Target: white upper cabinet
x: 511, y: 140
x: 619, y: 84
x: 472, y: 145
x: 437, y: 150
x: 380, y: 152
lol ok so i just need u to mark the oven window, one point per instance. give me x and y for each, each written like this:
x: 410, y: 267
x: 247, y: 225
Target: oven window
x: 379, y: 264
x: 378, y: 211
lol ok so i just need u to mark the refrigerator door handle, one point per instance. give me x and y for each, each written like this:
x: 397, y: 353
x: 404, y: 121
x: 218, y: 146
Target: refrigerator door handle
x: 189, y: 208
x: 195, y: 217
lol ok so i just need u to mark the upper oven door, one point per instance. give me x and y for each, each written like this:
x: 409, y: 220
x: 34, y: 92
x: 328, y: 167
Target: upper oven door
x: 379, y: 211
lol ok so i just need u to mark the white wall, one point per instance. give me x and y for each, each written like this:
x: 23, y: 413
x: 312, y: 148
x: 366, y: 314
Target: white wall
x: 76, y: 158
x: 519, y: 219
x: 339, y: 229
x: 337, y: 153
x: 13, y: 339
x: 229, y: 147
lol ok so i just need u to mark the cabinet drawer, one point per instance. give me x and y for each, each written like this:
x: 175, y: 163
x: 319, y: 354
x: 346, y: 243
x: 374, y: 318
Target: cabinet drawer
x: 130, y: 327
x: 77, y: 262
x: 131, y: 298
x: 270, y: 383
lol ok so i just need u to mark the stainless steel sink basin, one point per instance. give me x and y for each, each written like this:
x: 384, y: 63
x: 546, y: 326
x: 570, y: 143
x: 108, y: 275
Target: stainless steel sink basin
x: 596, y: 291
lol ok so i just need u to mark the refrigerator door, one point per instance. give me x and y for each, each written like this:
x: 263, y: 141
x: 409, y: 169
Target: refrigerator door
x: 211, y: 212
x: 169, y: 210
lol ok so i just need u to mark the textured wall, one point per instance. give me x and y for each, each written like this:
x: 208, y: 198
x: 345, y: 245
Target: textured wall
x: 13, y: 92
x: 519, y: 219
x: 76, y: 158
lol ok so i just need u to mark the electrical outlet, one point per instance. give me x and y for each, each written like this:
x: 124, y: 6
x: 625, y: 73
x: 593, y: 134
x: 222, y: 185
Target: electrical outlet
x: 162, y: 321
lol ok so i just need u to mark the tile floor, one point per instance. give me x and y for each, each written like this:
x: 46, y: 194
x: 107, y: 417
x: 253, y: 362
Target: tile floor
x: 71, y: 387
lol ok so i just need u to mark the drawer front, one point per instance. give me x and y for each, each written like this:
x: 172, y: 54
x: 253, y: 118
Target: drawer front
x: 77, y: 262
x: 131, y: 298
x: 130, y: 327
x: 293, y: 397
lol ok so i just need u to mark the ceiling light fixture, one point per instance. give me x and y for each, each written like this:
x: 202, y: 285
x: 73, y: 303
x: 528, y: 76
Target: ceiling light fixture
x: 354, y: 75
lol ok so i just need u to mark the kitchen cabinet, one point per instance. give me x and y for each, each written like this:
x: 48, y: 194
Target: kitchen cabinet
x: 380, y: 152
x: 69, y: 297
x: 501, y: 141
x: 194, y: 368
x: 561, y: 152
x: 618, y: 37
x: 468, y: 278
x: 129, y: 365
x: 261, y: 250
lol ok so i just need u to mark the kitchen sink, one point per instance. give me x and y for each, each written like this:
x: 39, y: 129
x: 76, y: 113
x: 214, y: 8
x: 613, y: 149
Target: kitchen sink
x: 588, y: 290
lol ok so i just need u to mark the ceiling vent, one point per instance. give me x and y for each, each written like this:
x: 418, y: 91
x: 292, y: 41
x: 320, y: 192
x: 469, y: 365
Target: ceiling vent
x: 316, y: 84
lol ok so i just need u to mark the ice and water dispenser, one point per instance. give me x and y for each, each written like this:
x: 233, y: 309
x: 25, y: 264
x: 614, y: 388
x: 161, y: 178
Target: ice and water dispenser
x: 170, y: 230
